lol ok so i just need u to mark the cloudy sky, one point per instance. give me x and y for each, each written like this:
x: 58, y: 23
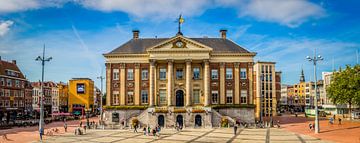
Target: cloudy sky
x: 77, y: 32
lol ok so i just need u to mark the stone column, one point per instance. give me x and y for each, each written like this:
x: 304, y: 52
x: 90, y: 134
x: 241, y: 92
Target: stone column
x: 137, y: 84
x: 206, y: 83
x: 122, y: 84
x: 188, y: 82
x: 155, y: 85
x: 222, y: 83
x: 170, y: 82
x: 108, y: 84
x: 152, y: 81
x: 237, y: 83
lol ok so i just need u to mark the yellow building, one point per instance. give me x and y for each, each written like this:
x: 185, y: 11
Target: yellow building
x: 299, y: 93
x: 81, y: 95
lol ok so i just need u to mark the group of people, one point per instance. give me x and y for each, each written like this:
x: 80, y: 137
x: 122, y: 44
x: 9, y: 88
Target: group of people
x: 154, y: 132
x: 332, y: 119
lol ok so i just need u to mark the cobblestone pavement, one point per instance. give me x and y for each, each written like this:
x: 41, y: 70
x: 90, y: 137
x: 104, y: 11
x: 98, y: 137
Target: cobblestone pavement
x: 188, y: 135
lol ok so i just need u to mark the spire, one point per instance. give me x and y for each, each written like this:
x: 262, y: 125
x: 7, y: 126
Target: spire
x: 302, y: 76
x: 180, y: 21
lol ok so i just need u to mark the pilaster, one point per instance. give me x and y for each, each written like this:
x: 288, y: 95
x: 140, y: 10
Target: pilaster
x: 108, y: 84
x: 151, y: 79
x: 206, y: 82
x: 170, y: 82
x: 237, y: 81
x: 122, y: 84
x: 188, y: 82
x: 137, y: 84
x: 222, y: 83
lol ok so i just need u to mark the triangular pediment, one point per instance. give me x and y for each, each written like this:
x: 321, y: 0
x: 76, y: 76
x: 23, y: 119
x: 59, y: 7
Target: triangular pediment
x: 180, y: 43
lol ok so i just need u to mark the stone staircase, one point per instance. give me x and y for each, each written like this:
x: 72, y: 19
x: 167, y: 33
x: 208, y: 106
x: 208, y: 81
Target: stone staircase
x: 216, y: 119
x: 143, y: 118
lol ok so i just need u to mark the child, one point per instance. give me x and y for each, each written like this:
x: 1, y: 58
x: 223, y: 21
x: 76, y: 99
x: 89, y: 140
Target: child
x: 144, y: 130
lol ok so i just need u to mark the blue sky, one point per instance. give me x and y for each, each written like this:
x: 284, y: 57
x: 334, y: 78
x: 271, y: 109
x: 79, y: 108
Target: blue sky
x: 78, y: 32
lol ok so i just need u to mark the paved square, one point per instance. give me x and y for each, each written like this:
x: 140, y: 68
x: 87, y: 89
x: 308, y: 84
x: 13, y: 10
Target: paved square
x: 216, y: 135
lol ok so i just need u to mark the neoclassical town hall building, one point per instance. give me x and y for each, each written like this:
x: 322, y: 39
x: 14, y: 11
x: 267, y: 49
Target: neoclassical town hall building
x: 191, y: 82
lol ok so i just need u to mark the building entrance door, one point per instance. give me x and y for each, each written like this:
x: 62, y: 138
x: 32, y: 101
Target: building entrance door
x: 179, y: 120
x: 179, y: 98
x: 197, y: 121
x: 161, y: 121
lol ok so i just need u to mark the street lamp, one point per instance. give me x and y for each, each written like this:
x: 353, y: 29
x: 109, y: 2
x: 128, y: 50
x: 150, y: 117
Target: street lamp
x: 41, y: 122
x: 101, y: 97
x: 314, y: 60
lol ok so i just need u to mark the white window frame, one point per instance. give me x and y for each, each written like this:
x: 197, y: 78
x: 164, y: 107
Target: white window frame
x: 144, y: 97
x: 229, y: 73
x: 130, y: 97
x: 196, y: 96
x: 144, y: 74
x: 243, y: 96
x: 115, y: 74
x: 162, y: 73
x: 243, y: 73
x: 212, y: 97
x: 130, y: 74
x: 229, y: 95
x: 214, y: 74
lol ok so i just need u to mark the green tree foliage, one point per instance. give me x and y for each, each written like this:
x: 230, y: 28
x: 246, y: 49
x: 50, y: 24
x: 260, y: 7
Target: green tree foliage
x: 345, y: 86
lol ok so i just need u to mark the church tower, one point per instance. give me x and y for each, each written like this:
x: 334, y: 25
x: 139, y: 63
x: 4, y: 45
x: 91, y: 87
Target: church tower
x: 302, y: 76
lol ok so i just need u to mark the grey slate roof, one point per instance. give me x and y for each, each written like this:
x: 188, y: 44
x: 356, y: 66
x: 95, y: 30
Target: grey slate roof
x: 219, y: 45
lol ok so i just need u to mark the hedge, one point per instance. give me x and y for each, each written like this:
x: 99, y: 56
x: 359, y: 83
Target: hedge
x: 125, y: 107
x: 224, y: 106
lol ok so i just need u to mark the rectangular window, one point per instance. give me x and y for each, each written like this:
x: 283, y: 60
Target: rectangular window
x: 144, y: 74
x: 162, y: 73
x: 214, y: 74
x: 116, y: 98
x: 179, y: 73
x: 130, y: 97
x: 214, y: 97
x: 2, y: 81
x: 243, y: 73
x: 229, y: 96
x: 7, y: 92
x: 144, y: 96
x: 2, y: 92
x: 17, y: 83
x: 196, y: 96
x: 8, y: 82
x: 229, y: 73
x: 162, y: 94
x: 196, y: 73
x: 116, y: 74
x: 130, y: 74
x: 243, y: 97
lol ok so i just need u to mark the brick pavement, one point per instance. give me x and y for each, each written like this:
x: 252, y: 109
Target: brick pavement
x: 215, y: 135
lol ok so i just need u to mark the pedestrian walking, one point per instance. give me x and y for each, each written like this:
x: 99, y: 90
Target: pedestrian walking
x: 310, y: 126
x: 313, y: 126
x: 339, y: 121
x: 235, y: 129
x: 278, y: 123
x: 41, y: 131
x: 144, y: 130
x: 331, y: 120
x: 80, y: 123
x: 65, y: 126
x: 149, y: 129
x: 334, y: 117
x: 154, y: 132
x: 135, y: 128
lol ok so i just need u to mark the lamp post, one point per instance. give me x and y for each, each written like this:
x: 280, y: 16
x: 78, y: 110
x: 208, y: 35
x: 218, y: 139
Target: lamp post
x: 41, y: 122
x: 314, y: 60
x: 101, y: 97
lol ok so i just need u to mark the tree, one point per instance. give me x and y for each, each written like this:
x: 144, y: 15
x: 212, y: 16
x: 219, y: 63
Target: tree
x: 345, y: 87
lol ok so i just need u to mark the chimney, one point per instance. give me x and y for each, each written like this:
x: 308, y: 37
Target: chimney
x: 136, y: 34
x: 223, y: 33
x: 14, y: 62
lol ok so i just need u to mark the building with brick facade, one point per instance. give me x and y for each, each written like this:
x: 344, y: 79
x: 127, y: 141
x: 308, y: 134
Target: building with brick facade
x: 14, y: 89
x: 191, y: 82
x: 48, y: 89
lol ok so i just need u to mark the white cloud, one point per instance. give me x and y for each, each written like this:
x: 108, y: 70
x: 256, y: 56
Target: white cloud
x: 9, y: 6
x: 155, y: 9
x: 291, y: 13
x: 5, y: 27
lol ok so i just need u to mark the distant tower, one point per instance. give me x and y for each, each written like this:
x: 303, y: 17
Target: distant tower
x: 302, y: 76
